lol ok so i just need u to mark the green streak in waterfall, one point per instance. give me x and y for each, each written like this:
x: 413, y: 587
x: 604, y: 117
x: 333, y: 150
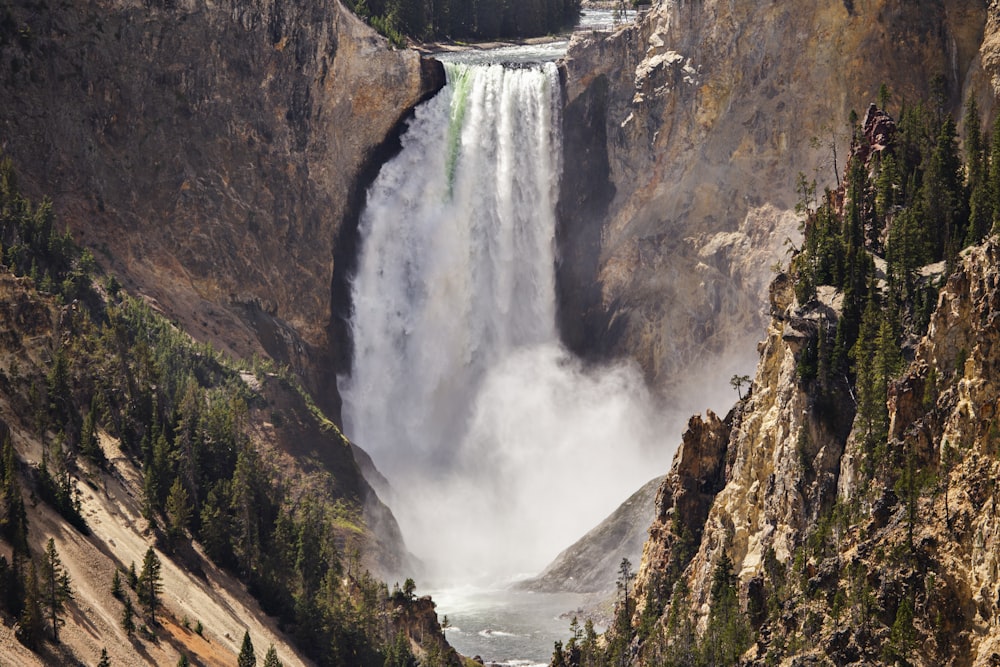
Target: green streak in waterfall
x: 460, y: 77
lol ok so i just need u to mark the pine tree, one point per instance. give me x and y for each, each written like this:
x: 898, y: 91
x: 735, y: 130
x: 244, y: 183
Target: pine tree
x: 248, y: 491
x: 149, y: 585
x: 60, y: 396
x: 994, y: 173
x: 155, y: 473
x: 179, y: 510
x: 246, y: 657
x: 944, y: 197
x: 55, y: 587
x: 31, y: 623
x: 870, y: 399
x: 128, y: 616
x: 728, y: 632
x: 13, y: 516
x: 980, y: 204
x: 271, y: 658
x: 89, y: 445
x: 104, y: 661
x: 116, y: 585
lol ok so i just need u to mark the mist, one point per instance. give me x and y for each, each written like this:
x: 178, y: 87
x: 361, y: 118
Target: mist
x: 500, y: 447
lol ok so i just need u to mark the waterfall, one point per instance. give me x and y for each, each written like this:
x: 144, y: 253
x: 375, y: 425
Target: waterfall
x: 500, y: 447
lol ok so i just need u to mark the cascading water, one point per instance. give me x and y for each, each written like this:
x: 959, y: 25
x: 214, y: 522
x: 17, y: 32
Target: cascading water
x: 456, y: 263
x: 500, y: 447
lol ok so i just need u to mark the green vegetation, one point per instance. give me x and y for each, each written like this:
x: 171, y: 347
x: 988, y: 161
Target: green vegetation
x: 271, y: 657
x: 150, y: 586
x: 181, y: 413
x: 456, y: 19
x: 728, y: 633
x: 246, y: 658
x: 911, y: 203
x: 884, y: 241
x: 55, y: 586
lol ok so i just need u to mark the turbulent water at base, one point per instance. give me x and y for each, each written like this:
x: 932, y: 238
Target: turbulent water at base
x: 500, y: 448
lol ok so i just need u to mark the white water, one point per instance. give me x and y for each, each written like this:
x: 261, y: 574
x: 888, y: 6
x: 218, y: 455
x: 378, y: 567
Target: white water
x: 501, y: 448
x: 514, y: 628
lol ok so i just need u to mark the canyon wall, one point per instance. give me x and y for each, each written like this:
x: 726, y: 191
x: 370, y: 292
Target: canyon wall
x: 210, y: 154
x: 685, y: 132
x: 828, y: 565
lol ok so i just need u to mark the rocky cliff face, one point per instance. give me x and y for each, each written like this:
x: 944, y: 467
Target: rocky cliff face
x: 212, y: 153
x: 589, y: 564
x: 685, y: 132
x: 826, y: 565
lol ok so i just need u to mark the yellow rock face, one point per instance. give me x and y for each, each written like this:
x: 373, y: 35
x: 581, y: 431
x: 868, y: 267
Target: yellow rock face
x: 712, y: 109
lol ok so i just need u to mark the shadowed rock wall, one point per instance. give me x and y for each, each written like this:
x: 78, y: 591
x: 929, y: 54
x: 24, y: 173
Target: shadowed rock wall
x: 704, y: 113
x: 209, y: 152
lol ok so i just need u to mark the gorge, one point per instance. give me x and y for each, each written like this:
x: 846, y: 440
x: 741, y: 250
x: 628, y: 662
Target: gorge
x: 500, y: 447
x: 278, y: 184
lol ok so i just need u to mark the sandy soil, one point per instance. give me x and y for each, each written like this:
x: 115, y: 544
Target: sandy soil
x: 219, y: 602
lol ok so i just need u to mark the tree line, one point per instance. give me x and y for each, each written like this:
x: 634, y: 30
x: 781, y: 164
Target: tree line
x: 426, y: 20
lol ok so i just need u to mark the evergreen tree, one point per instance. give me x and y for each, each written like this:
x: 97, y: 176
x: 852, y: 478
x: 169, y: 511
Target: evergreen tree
x: 179, y: 510
x: 409, y: 587
x: 589, y: 649
x: 683, y: 646
x: 246, y: 657
x: 625, y: 578
x: 945, y: 213
x: 883, y: 97
x: 618, y: 647
x: 104, y: 661
x: 89, y: 445
x: 149, y: 585
x: 249, y: 488
x: 994, y: 173
x: 55, y: 587
x: 156, y: 470
x: 728, y: 632
x: 116, y: 585
x: 31, y: 623
x: 13, y: 516
x: 128, y: 616
x: 60, y: 396
x: 870, y: 396
x: 271, y: 657
x: 902, y: 636
x: 980, y: 204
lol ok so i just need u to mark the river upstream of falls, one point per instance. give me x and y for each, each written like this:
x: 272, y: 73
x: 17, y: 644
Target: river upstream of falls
x: 499, y: 447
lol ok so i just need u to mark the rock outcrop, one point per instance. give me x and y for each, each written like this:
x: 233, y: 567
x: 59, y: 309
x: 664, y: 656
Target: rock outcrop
x: 213, y: 154
x: 830, y: 563
x: 590, y: 564
x: 695, y: 121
